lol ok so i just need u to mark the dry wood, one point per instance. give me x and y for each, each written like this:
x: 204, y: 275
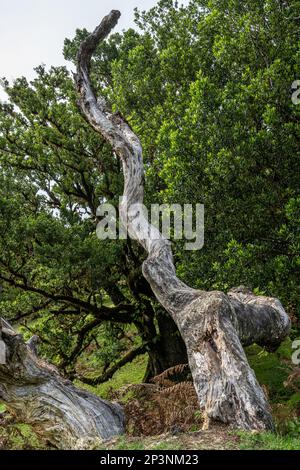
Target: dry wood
x: 33, y: 390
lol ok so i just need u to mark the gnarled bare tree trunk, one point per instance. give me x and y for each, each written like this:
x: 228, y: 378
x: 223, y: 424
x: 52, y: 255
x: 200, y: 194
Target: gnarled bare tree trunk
x: 69, y: 418
x: 213, y: 325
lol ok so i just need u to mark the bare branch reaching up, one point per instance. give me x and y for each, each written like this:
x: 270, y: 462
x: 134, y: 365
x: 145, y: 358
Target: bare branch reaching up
x: 213, y: 325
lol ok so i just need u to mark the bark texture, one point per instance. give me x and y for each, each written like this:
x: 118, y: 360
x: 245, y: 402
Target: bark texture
x: 69, y: 418
x: 213, y: 325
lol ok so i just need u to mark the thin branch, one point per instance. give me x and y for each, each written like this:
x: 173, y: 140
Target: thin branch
x: 121, y: 313
x: 129, y: 357
x: 20, y: 316
x: 79, y: 347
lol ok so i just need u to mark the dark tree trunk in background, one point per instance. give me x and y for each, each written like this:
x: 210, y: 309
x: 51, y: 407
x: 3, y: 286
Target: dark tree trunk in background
x: 214, y: 326
x: 171, y: 345
x: 157, y: 329
x: 114, y: 293
x: 168, y: 350
x: 163, y: 341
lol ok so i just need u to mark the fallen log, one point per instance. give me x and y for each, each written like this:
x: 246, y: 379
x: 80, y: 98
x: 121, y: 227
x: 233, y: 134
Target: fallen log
x: 33, y: 390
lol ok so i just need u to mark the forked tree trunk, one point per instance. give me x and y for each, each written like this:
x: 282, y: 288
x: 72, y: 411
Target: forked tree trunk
x: 213, y: 325
x: 67, y: 417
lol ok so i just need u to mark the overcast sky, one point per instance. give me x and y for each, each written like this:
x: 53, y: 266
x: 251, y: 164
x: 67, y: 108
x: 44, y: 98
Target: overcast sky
x: 33, y: 31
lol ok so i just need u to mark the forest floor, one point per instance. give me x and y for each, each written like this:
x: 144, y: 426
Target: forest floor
x: 22, y: 437
x: 216, y: 438
x: 164, y: 416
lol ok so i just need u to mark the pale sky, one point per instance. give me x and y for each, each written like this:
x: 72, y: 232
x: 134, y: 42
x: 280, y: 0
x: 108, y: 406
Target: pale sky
x: 33, y: 31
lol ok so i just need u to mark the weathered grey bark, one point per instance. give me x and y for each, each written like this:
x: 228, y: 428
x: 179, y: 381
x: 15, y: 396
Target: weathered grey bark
x: 213, y: 325
x: 69, y: 418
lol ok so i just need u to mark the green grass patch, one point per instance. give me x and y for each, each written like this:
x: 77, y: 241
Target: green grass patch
x: 267, y: 441
x: 271, y: 370
x: 20, y: 437
x: 122, y: 444
x: 294, y: 402
x: 167, y: 445
x: 132, y: 373
x: 2, y: 408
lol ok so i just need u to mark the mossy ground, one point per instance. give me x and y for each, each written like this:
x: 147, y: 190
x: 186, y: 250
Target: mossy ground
x: 268, y: 441
x: 19, y: 436
x: 272, y: 369
x: 216, y: 438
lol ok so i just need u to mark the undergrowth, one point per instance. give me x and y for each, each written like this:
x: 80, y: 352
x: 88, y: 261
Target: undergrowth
x: 19, y: 436
x: 268, y: 441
